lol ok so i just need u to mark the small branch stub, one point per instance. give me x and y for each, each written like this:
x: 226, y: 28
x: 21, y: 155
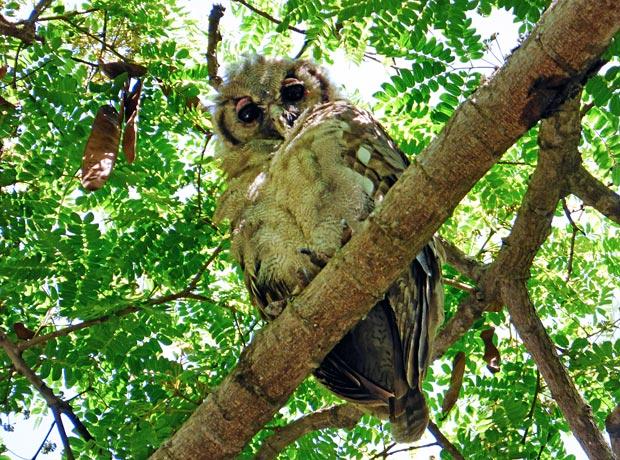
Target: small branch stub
x: 214, y: 37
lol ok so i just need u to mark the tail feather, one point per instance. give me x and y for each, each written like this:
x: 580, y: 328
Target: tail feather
x: 409, y: 425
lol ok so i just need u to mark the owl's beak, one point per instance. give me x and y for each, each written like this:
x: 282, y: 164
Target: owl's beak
x: 281, y: 120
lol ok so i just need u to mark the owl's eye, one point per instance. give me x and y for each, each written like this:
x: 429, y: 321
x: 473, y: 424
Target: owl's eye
x: 292, y: 90
x: 249, y: 113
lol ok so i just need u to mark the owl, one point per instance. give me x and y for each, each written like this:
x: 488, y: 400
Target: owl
x: 304, y: 169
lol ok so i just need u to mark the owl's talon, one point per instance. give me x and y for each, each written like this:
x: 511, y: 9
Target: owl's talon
x: 319, y: 259
x: 347, y: 232
x: 273, y: 309
x: 304, y: 279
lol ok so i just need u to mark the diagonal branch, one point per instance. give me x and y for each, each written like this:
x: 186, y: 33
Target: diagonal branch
x: 594, y: 193
x: 268, y: 16
x: 547, y: 66
x: 444, y: 442
x: 56, y: 404
x: 341, y: 416
x: 558, y: 139
x: 578, y: 414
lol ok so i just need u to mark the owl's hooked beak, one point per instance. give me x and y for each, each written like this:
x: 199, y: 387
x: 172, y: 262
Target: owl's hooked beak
x: 279, y: 119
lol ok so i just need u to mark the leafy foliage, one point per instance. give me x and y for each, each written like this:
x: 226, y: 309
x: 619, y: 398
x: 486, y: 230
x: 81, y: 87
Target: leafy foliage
x: 123, y: 256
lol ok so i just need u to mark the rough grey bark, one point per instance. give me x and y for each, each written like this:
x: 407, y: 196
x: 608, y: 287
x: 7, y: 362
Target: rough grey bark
x: 555, y: 58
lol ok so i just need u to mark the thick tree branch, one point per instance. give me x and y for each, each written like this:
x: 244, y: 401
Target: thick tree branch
x: 24, y: 30
x: 24, y: 33
x: 538, y: 343
x: 556, y: 58
x: 594, y: 193
x: 342, y: 416
x: 558, y: 158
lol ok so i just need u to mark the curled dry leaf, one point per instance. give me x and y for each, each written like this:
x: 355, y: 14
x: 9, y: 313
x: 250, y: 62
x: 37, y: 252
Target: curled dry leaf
x: 3, y: 70
x: 491, y: 353
x: 132, y: 107
x: 22, y: 331
x: 456, y: 382
x: 101, y: 148
x: 114, y: 69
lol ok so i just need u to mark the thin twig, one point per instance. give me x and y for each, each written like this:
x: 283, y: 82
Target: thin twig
x: 110, y: 48
x: 67, y: 15
x: 484, y: 245
x: 104, y: 33
x: 44, y: 440
x: 16, y: 63
x: 459, y: 285
x: 268, y: 16
x: 530, y: 414
x: 53, y: 401
x: 198, y: 181
x: 410, y: 448
x: 185, y: 293
x: 576, y: 229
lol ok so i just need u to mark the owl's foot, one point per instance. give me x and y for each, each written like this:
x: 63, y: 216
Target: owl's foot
x: 273, y: 309
x: 347, y: 232
x: 318, y: 258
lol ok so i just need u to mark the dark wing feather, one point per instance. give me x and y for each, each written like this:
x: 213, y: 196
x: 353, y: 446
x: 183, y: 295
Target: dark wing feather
x: 385, y: 356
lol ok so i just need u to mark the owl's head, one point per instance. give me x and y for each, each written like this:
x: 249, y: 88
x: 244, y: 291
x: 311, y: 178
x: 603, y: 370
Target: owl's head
x: 261, y: 98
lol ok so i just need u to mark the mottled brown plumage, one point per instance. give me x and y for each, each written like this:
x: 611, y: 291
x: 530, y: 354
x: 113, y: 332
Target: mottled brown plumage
x: 304, y: 168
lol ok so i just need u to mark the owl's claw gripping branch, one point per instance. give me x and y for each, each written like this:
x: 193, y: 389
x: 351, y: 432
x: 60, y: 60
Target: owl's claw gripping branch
x: 318, y: 258
x: 276, y: 307
x: 347, y: 232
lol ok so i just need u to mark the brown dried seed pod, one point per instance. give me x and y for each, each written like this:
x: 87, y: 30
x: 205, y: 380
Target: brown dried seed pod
x: 132, y: 107
x: 114, y: 69
x: 131, y: 100
x: 491, y: 353
x: 456, y: 382
x: 101, y: 149
x: 129, y: 139
x: 22, y: 331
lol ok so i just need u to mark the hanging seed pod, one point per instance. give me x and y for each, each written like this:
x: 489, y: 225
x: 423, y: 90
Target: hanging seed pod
x: 132, y: 107
x: 491, y: 353
x: 456, y: 382
x: 114, y: 69
x: 101, y: 149
x: 22, y: 331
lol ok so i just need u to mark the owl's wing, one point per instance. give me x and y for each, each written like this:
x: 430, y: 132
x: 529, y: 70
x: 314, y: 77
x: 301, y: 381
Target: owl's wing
x: 384, y: 358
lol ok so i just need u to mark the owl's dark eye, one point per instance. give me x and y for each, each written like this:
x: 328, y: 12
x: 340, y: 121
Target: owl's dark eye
x: 249, y: 113
x: 292, y: 90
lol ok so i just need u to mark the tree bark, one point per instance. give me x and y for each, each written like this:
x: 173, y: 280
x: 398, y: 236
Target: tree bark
x: 547, y: 67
